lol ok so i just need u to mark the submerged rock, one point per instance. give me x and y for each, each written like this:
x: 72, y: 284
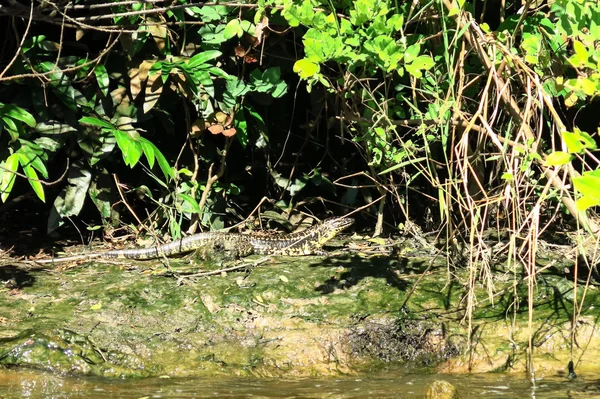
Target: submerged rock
x: 442, y: 390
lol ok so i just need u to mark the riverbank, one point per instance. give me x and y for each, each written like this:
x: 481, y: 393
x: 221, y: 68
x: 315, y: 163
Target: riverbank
x: 346, y: 314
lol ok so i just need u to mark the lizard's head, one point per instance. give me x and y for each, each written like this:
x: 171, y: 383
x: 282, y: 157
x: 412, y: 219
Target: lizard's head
x: 331, y: 227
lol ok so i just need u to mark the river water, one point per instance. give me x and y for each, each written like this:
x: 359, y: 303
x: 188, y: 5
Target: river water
x: 30, y: 384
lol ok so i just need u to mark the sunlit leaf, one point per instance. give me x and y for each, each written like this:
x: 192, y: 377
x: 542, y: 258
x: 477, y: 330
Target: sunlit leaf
x: 558, y: 158
x: 306, y: 68
x: 37, y: 186
x: 102, y: 78
x: 8, y: 176
x: 202, y: 57
x: 89, y: 120
x: 53, y: 127
x: 189, y: 204
x: 233, y: 28
x: 17, y: 113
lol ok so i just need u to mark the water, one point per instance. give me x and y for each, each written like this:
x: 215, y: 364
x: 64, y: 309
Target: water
x: 29, y: 384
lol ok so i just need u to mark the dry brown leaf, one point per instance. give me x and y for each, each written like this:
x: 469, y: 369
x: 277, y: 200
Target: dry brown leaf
x: 197, y: 127
x: 135, y: 84
x: 121, y: 100
x: 229, y: 132
x: 240, y: 51
x: 221, y: 117
x: 250, y: 59
x: 159, y: 33
x: 153, y: 91
x: 261, y: 29
x: 216, y: 129
x: 144, y: 68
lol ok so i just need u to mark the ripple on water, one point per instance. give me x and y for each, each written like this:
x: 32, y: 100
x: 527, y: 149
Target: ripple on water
x: 31, y: 385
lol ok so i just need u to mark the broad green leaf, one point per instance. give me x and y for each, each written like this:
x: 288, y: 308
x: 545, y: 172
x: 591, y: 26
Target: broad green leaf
x: 241, y: 125
x: 49, y: 144
x: 148, y: 149
x: 202, y: 57
x: 163, y: 163
x: 101, y: 192
x: 588, y: 85
x: 411, y: 53
x: 88, y: 120
x: 558, y: 158
x: 574, y: 146
x: 306, y: 68
x: 588, y: 184
x: 206, y: 82
x: 71, y: 199
x: 218, y: 72
x: 8, y: 176
x: 30, y: 158
x: 130, y: 147
x: 423, y: 62
x: 189, y: 204
x: 37, y: 186
x: 53, y: 127
x: 61, y: 85
x: 584, y: 203
x: 233, y: 28
x: 587, y: 140
x: 12, y: 128
x: 18, y: 114
x: 581, y: 54
x: 102, y: 78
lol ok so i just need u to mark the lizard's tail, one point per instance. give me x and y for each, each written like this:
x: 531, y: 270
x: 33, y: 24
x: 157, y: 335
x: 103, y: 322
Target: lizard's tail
x: 68, y: 258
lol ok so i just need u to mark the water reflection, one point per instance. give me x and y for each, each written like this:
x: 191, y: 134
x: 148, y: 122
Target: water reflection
x: 27, y: 384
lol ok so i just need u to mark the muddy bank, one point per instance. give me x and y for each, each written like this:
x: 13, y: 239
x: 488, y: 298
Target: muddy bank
x: 303, y: 316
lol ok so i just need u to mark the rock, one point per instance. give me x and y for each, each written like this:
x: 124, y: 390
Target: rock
x: 442, y: 390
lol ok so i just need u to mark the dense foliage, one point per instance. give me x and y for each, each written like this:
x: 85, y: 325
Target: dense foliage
x: 185, y: 114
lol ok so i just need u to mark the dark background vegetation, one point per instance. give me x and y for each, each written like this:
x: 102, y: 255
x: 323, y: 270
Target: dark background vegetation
x: 388, y: 108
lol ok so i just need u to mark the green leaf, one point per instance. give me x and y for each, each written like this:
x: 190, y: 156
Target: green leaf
x: 130, y: 147
x: 233, y: 28
x: 589, y: 186
x: 411, y: 53
x: 102, y: 79
x: 423, y: 62
x: 581, y: 54
x: 306, y: 68
x: 206, y: 82
x: 71, y: 199
x: 163, y: 163
x: 584, y: 203
x: 101, y: 192
x: 558, y: 158
x: 17, y: 113
x: 49, y: 144
x: 189, y: 204
x: 61, y: 86
x: 37, y: 186
x: 13, y: 129
x: 218, y: 72
x: 53, y: 127
x: 241, y: 126
x: 27, y: 157
x: 88, y: 120
x: 202, y: 57
x: 8, y: 176
x: 148, y: 149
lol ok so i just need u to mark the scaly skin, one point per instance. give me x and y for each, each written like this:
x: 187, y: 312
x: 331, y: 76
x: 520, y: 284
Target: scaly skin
x: 307, y: 242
